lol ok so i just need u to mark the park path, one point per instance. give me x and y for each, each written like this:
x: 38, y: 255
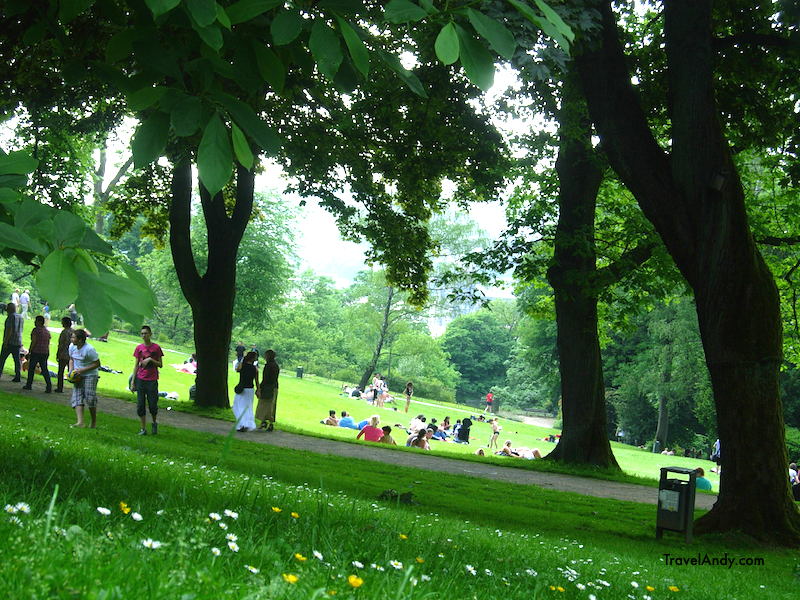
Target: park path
x: 427, y: 461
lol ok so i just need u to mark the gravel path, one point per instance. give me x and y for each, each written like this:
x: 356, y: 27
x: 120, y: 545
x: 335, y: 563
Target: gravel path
x: 430, y: 462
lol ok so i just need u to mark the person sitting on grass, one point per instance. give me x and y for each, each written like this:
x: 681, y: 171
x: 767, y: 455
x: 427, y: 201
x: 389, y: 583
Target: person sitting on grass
x: 347, y: 421
x: 480, y: 452
x: 421, y: 440
x: 331, y: 420
x: 462, y: 437
x: 700, y: 481
x: 386, y: 438
x: 371, y: 431
x: 507, y: 450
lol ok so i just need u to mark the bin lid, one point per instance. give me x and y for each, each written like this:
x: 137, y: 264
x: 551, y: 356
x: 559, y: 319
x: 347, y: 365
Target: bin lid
x: 678, y: 470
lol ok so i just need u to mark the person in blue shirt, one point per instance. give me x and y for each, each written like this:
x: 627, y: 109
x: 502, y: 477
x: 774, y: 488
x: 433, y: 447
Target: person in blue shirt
x: 362, y: 424
x: 347, y: 421
x: 701, y: 482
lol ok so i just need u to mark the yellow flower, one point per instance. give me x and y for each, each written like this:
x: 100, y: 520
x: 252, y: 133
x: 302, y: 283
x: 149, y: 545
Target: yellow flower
x: 560, y: 589
x: 552, y: 588
x: 403, y: 536
x: 331, y: 592
x: 420, y: 560
x: 674, y: 588
x: 300, y: 557
x: 355, y: 581
x: 295, y: 515
x: 124, y: 508
x: 650, y: 588
x: 276, y: 509
x: 290, y: 578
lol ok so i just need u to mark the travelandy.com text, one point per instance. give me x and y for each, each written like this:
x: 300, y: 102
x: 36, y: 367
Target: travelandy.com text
x: 714, y: 561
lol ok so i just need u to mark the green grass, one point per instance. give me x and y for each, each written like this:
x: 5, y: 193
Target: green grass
x: 304, y: 402
x: 175, y: 480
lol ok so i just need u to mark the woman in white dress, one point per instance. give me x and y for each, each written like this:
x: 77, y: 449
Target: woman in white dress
x: 245, y: 393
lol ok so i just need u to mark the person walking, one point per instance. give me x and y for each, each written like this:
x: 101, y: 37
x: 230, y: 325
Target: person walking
x: 62, y: 353
x: 489, y: 403
x: 83, y: 364
x: 268, y: 399
x: 15, y: 299
x: 38, y: 354
x: 25, y: 302
x: 12, y: 340
x: 245, y: 391
x: 147, y: 360
x: 409, y: 391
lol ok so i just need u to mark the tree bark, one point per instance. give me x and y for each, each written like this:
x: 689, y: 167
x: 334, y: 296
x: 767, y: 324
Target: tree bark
x: 584, y: 438
x: 376, y: 355
x: 210, y: 295
x: 695, y: 200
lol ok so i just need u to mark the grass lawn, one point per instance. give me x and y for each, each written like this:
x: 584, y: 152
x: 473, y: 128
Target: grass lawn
x: 300, y: 525
x: 304, y: 402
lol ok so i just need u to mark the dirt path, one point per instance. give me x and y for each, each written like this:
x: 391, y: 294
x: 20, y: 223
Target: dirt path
x: 429, y: 462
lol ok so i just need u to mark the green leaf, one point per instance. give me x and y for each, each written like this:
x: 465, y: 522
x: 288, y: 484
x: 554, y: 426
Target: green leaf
x: 140, y: 280
x: 93, y: 303
x: 408, y: 77
x: 17, y: 163
x: 358, y: 51
x: 325, y: 48
x: 428, y: 6
x: 92, y: 241
x: 83, y: 261
x: 160, y: 7
x: 211, y: 35
x: 11, y: 237
x: 286, y: 26
x: 135, y: 320
x: 248, y: 9
x: 214, y: 156
x: 185, y: 115
x: 69, y: 9
x: 403, y: 11
x: 241, y: 148
x: 342, y: 7
x: 8, y: 195
x: 120, y: 45
x: 546, y: 26
x: 223, y: 18
x: 494, y: 32
x: 150, y: 139
x: 246, y: 118
x: 446, y: 45
x: 126, y: 292
x: 270, y: 66
x: 57, y: 279
x: 145, y: 97
x: 554, y: 18
x: 30, y: 213
x: 69, y: 228
x: 477, y: 60
x: 204, y: 12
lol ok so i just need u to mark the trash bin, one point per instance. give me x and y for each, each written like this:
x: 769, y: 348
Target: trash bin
x: 656, y: 447
x: 299, y: 372
x: 676, y: 502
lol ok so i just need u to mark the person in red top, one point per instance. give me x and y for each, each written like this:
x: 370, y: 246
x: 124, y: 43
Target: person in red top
x: 372, y: 432
x: 489, y: 401
x: 38, y: 354
x: 144, y: 380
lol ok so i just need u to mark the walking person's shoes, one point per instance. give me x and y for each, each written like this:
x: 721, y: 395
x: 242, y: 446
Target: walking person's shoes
x: 60, y: 390
x: 16, y: 380
x: 48, y: 390
x: 26, y: 387
x: 154, y: 428
x: 142, y: 432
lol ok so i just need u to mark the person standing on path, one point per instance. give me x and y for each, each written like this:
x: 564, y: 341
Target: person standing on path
x: 62, y: 353
x: 38, y: 354
x: 144, y: 380
x: 25, y: 302
x: 83, y: 364
x: 239, y: 354
x: 12, y: 340
x: 245, y: 390
x: 268, y: 399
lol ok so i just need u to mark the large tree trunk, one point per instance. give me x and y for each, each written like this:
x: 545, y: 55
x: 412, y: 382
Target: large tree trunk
x: 211, y: 295
x: 584, y: 438
x: 695, y: 200
x: 376, y: 354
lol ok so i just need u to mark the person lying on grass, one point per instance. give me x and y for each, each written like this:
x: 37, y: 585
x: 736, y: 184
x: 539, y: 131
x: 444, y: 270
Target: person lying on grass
x: 521, y: 452
x: 331, y: 420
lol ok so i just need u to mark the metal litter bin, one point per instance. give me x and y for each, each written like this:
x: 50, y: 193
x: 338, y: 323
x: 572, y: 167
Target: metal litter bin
x: 299, y: 372
x: 676, y: 502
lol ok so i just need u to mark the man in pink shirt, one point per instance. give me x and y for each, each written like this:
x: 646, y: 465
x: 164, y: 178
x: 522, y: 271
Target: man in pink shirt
x: 39, y: 352
x: 144, y: 380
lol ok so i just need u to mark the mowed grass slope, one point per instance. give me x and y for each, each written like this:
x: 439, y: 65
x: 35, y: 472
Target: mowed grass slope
x: 304, y: 402
x: 300, y: 525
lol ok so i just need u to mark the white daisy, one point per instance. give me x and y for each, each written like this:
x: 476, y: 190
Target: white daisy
x: 152, y: 544
x: 136, y: 516
x: 103, y: 511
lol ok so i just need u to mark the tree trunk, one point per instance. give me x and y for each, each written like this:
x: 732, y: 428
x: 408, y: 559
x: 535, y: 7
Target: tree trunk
x: 662, y: 428
x: 584, y: 438
x: 373, y: 364
x: 695, y: 200
x: 211, y: 295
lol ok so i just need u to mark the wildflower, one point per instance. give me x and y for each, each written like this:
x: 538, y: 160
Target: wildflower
x: 109, y: 535
x: 152, y: 544
x: 674, y: 588
x: 124, y: 507
x: 331, y: 592
x: 357, y: 564
x: 440, y: 555
x: 470, y: 569
x: 650, y: 588
x: 23, y: 507
x: 231, y: 537
x: 103, y: 511
x: 580, y: 586
x: 223, y: 525
x: 355, y: 581
x: 488, y: 572
x: 424, y: 577
x: 317, y: 554
x: 216, y: 551
x: 403, y: 536
x: 275, y: 509
x: 160, y: 512
x: 531, y: 572
x: 634, y: 584
x: 295, y: 515
x: 592, y: 597
x: 214, y: 516
x: 289, y: 577
x: 252, y: 569
x: 302, y: 558
x: 420, y: 560
x: 377, y: 567
x: 10, y: 509
x: 552, y: 588
x: 231, y: 514
x: 396, y: 564
x: 233, y: 546
x: 559, y: 588
x: 136, y: 516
